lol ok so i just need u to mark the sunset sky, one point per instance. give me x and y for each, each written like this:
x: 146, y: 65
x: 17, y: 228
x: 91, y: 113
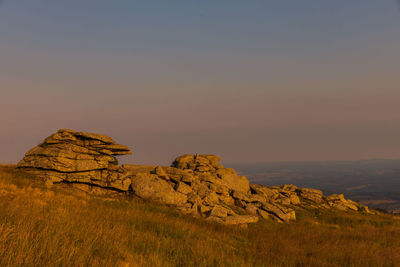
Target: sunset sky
x: 251, y: 81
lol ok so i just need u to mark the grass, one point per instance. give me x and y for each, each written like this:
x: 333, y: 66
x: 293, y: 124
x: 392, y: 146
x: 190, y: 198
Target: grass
x: 54, y: 227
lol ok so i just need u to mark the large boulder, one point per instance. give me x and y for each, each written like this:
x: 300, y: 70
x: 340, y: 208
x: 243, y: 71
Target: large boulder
x: 233, y: 180
x: 149, y: 186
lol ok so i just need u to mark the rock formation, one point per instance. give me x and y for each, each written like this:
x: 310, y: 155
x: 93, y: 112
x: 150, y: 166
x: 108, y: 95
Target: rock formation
x: 77, y: 157
x: 194, y: 184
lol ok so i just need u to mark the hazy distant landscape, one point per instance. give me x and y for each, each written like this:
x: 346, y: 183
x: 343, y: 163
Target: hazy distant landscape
x: 200, y: 133
x: 375, y: 183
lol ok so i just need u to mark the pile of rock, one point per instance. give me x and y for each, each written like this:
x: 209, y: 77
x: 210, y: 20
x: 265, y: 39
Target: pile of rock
x: 339, y: 202
x: 195, y: 184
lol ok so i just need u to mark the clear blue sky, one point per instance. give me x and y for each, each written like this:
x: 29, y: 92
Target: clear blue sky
x: 248, y: 80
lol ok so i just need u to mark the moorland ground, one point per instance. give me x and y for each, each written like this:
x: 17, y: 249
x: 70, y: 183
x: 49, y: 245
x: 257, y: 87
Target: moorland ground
x: 61, y: 227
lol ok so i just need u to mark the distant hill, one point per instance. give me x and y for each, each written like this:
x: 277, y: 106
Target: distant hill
x: 373, y: 182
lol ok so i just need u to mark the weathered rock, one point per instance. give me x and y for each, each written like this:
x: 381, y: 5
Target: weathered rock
x: 162, y: 173
x: 234, y: 181
x: 189, y: 208
x: 289, y: 188
x: 182, y: 162
x: 251, y: 209
x: 284, y: 200
x: 240, y: 196
x: 280, y: 213
x: 77, y: 157
x: 116, y: 149
x: 220, y: 189
x: 254, y: 198
x: 65, y: 157
x: 178, y: 174
x: 214, y: 160
x: 204, y: 208
x: 294, y: 199
x: 149, y: 186
x: 210, y: 167
x: 313, y: 195
x: 365, y: 209
x: 227, y: 200
x: 211, y: 198
x: 265, y: 215
x: 339, y: 202
x: 264, y: 191
x: 335, y: 197
x: 219, y: 211
x: 183, y: 188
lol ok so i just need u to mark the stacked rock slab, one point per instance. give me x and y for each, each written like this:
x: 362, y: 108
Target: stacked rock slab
x: 78, y: 157
x: 194, y: 184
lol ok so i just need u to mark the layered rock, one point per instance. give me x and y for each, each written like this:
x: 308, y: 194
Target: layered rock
x: 194, y: 184
x: 77, y: 157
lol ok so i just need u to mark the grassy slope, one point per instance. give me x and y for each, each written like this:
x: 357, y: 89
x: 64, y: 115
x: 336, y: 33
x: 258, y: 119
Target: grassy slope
x: 40, y: 227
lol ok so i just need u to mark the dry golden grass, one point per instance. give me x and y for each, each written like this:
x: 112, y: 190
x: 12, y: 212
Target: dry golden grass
x: 40, y: 227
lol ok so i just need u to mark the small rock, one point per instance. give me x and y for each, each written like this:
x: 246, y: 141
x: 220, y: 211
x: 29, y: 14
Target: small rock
x: 183, y: 188
x: 218, y: 211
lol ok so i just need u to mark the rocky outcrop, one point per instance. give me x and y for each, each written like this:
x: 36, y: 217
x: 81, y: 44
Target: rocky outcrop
x: 194, y: 184
x: 208, y: 166
x: 77, y: 157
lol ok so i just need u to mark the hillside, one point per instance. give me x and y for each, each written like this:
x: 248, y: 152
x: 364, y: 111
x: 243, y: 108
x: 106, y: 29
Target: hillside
x: 57, y: 226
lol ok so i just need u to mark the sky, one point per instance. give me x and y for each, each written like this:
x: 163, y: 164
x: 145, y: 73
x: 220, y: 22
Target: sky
x: 251, y: 81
